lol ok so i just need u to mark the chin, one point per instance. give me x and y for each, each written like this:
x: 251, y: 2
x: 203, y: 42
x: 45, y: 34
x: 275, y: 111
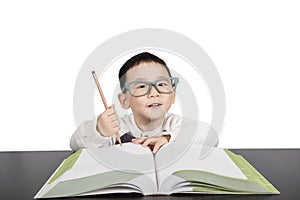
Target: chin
x: 156, y: 114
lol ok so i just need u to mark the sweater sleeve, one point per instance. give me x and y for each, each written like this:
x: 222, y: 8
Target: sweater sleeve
x: 184, y: 130
x: 86, y: 136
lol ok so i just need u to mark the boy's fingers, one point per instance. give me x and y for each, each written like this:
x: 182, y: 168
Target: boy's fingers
x: 115, y: 123
x: 110, y: 111
x: 113, y: 117
x: 148, y: 141
x: 138, y: 140
x: 156, y: 147
x: 116, y: 129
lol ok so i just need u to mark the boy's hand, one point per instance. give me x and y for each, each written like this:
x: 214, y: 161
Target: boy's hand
x: 108, y: 122
x: 154, y: 143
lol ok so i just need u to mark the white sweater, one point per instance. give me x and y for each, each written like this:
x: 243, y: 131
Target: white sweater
x: 181, y: 130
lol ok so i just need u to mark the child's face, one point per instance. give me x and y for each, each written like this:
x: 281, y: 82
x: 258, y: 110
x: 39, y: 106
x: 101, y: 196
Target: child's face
x: 152, y: 106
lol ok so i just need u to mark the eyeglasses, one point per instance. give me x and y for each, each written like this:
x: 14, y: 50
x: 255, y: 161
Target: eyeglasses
x: 140, y: 87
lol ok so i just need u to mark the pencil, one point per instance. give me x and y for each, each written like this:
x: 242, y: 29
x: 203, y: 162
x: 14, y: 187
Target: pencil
x: 104, y: 100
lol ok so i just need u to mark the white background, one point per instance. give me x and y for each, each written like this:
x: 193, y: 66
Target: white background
x: 255, y: 46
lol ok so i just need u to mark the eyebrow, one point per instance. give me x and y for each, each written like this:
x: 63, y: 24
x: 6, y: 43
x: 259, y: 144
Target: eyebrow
x: 156, y: 78
x: 163, y: 77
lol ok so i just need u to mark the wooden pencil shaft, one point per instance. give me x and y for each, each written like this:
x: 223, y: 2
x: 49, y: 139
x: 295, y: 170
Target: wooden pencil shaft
x: 104, y: 100
x: 100, y: 90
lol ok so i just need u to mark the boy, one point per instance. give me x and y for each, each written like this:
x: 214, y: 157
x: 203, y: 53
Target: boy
x: 149, y: 90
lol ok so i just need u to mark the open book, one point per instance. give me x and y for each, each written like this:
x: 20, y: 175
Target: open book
x: 175, y: 168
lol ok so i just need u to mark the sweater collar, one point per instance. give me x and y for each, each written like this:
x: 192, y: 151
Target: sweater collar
x: 137, y: 131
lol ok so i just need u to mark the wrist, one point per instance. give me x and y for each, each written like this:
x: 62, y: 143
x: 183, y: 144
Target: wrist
x: 99, y: 129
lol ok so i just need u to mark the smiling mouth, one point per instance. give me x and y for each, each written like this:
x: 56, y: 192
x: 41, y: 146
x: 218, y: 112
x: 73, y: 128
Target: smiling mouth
x: 154, y: 105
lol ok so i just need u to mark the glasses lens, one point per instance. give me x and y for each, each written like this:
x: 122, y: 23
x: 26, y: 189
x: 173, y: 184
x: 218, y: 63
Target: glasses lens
x: 165, y: 85
x: 138, y: 88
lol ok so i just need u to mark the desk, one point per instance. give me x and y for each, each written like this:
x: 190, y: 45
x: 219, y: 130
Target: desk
x: 22, y: 174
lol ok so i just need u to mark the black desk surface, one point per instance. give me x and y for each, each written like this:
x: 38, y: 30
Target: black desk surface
x: 22, y: 174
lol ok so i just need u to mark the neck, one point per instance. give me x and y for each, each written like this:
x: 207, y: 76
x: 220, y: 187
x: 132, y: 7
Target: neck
x: 148, y: 125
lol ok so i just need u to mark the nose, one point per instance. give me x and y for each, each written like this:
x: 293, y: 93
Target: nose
x: 153, y: 92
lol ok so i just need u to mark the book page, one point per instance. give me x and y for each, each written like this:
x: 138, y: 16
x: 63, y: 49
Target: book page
x: 128, y: 157
x: 175, y: 157
x: 128, y: 166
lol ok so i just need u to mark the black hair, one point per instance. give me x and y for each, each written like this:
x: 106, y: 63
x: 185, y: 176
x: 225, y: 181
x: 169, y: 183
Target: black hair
x: 144, y: 57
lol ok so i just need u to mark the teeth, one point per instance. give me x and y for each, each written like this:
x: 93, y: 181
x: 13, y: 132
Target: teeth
x: 155, y: 104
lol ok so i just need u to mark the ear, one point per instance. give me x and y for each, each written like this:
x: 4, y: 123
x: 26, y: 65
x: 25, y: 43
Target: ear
x: 124, y: 100
x: 174, y: 97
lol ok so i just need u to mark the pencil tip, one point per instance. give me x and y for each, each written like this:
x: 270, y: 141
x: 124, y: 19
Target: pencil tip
x: 93, y: 72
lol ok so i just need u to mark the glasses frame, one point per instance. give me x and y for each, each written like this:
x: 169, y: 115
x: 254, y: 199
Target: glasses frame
x: 174, y: 81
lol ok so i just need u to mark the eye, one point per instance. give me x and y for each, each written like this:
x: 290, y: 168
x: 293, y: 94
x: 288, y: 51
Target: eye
x: 140, y: 86
x: 162, y: 84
